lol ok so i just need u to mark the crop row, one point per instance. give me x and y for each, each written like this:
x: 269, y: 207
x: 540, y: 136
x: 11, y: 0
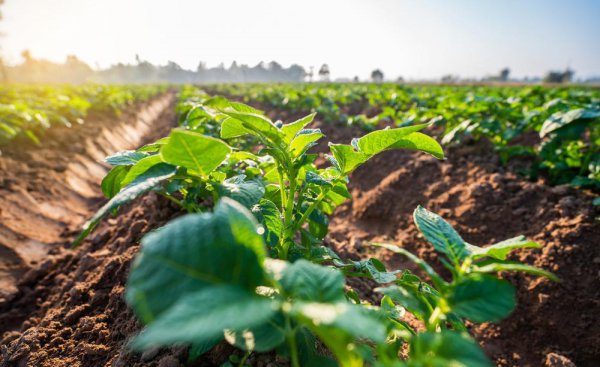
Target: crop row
x: 28, y: 110
x: 558, y: 127
x: 247, y: 265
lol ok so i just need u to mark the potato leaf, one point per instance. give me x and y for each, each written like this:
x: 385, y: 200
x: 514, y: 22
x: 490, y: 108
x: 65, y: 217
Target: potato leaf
x: 482, y: 298
x: 306, y: 281
x: 125, y: 158
x: 202, y: 316
x: 447, y: 348
x: 193, y: 252
x: 441, y: 235
x: 501, y: 250
x: 247, y: 193
x: 290, y: 130
x: 198, y: 153
x: 126, y: 195
x: 561, y: 119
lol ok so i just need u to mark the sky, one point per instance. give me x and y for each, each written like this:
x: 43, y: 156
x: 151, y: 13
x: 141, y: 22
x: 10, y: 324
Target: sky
x: 423, y: 39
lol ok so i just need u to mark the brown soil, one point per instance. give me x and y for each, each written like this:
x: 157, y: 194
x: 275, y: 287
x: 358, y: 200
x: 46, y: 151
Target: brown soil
x: 487, y: 203
x: 69, y: 311
x: 44, y: 189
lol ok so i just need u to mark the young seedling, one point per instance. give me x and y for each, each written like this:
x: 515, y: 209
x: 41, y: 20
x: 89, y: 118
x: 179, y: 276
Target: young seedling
x: 264, y: 165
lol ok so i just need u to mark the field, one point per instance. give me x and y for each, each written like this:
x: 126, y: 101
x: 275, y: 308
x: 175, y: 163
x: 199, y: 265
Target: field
x: 314, y: 224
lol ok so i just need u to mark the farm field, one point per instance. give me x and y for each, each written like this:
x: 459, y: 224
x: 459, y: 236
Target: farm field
x: 315, y: 224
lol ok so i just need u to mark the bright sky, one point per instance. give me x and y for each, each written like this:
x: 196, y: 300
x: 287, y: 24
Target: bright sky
x: 413, y: 39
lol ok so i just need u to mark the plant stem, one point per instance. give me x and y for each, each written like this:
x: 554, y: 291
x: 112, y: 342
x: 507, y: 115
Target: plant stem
x: 288, y: 230
x: 244, y: 358
x: 281, y: 188
x: 310, y: 209
x: 176, y: 201
x: 434, y: 320
x: 291, y: 339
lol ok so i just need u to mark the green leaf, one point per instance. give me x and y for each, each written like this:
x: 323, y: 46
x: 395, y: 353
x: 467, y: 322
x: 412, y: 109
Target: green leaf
x: 124, y: 196
x: 307, y: 351
x: 269, y: 216
x: 347, y: 158
x: 501, y: 250
x: 447, y: 348
x: 160, y: 169
x: 140, y: 167
x: 111, y: 183
x: 441, y: 235
x: 482, y: 298
x: 421, y: 263
x: 125, y: 158
x: 406, y: 299
x: 496, y: 266
x: 373, y: 268
x: 199, y: 153
x: 306, y: 281
x: 247, y: 193
x: 290, y: 130
x: 154, y: 147
x: 421, y: 142
x: 315, y: 178
x: 348, y: 320
x: 304, y: 140
x: 193, y: 252
x: 561, y: 119
x: 261, y: 338
x: 199, y: 348
x: 239, y: 124
x: 204, y: 315
x: 380, y: 140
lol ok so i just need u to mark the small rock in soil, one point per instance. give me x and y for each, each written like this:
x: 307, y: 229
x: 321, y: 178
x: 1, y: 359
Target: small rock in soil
x: 557, y: 360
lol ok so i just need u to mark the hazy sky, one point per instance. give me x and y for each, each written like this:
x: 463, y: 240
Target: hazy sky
x: 414, y: 39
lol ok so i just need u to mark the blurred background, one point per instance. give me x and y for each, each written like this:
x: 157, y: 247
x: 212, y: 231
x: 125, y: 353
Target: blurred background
x: 187, y: 41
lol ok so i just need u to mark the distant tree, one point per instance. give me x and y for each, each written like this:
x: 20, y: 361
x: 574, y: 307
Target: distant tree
x: 400, y: 80
x: 324, y: 72
x: 504, y: 74
x: 275, y: 66
x: 296, y: 73
x: 450, y: 78
x: 75, y: 70
x: 559, y: 76
x: 377, y: 76
x: 311, y: 73
x: 355, y: 79
x: 26, y: 55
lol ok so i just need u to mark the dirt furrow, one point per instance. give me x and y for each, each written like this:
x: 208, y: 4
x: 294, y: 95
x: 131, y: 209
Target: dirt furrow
x: 47, y: 190
x: 71, y: 312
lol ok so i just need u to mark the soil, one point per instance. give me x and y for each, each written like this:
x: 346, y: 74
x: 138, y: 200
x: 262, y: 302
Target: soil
x: 67, y: 308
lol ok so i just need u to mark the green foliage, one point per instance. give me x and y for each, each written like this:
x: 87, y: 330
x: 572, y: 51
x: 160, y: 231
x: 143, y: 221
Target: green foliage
x: 565, y: 118
x: 228, y: 149
x: 28, y: 110
x: 247, y: 265
x: 205, y: 277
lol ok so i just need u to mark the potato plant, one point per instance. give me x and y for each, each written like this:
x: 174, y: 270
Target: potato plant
x: 263, y: 165
x: 207, y: 278
x: 247, y: 265
x: 26, y: 110
x: 507, y: 116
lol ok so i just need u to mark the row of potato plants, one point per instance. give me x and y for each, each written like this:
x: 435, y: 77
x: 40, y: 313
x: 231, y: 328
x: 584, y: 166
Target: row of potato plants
x: 247, y: 264
x: 28, y: 110
x: 558, y: 127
